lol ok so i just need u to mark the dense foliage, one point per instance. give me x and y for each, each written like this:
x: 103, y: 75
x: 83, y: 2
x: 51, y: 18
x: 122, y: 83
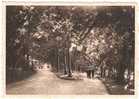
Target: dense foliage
x: 70, y: 38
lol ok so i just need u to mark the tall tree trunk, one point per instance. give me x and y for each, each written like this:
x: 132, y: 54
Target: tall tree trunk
x: 68, y: 57
x: 101, y: 71
x: 56, y: 59
x: 58, y: 63
x: 69, y: 65
x: 65, y: 62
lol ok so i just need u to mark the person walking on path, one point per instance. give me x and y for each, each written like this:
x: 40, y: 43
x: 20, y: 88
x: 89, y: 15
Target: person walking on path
x: 90, y: 71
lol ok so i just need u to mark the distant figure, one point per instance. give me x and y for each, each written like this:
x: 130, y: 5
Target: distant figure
x: 40, y: 67
x: 90, y: 71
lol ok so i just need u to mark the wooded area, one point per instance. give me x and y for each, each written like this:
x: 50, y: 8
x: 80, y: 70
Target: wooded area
x: 71, y: 38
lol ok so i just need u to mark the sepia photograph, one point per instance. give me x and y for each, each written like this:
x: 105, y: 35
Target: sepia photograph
x: 70, y: 50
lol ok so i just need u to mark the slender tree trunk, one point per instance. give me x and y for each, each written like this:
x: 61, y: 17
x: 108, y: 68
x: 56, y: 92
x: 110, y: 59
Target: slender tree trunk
x: 101, y: 71
x: 69, y: 65
x: 68, y: 56
x: 58, y: 61
x: 65, y: 63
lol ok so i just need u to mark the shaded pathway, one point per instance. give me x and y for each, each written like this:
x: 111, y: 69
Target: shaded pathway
x: 46, y: 82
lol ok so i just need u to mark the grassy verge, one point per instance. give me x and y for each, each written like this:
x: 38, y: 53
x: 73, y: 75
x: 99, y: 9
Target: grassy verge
x: 16, y: 75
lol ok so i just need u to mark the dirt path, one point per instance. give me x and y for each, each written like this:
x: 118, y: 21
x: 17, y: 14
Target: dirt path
x: 45, y: 82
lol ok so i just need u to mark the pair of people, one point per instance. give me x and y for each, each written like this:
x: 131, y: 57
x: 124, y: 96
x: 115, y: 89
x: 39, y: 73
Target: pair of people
x: 90, y: 71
